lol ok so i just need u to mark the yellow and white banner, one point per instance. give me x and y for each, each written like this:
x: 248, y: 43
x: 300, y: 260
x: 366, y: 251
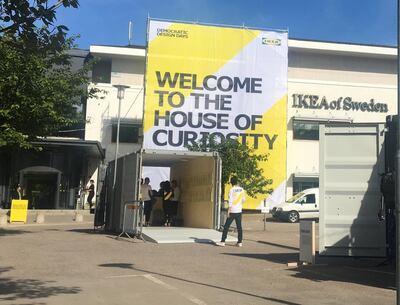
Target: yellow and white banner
x: 227, y: 82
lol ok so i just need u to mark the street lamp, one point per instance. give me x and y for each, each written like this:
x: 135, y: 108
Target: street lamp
x: 120, y: 96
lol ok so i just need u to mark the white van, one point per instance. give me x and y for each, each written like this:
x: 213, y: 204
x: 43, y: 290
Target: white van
x: 303, y: 205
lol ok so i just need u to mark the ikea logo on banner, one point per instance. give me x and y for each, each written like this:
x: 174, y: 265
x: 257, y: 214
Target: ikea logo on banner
x: 271, y: 41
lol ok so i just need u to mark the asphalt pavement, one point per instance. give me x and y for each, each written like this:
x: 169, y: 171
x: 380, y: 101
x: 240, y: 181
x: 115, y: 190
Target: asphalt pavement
x: 71, y: 264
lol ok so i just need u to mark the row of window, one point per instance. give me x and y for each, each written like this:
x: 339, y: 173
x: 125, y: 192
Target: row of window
x: 301, y: 130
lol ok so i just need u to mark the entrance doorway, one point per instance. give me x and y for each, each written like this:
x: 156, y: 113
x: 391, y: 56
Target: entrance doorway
x: 41, y: 189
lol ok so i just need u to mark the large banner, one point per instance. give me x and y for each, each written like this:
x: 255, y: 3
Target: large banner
x: 226, y: 82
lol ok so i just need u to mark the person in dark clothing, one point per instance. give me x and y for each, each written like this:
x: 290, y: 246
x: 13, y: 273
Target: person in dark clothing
x: 175, y: 201
x: 167, y: 196
x: 91, y: 194
x: 160, y: 192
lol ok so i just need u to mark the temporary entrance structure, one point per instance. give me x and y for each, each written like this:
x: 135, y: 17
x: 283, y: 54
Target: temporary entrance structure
x: 199, y: 179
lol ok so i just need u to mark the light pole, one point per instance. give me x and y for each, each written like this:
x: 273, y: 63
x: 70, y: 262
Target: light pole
x: 120, y: 96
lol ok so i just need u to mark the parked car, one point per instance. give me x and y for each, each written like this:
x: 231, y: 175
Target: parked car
x: 303, y: 205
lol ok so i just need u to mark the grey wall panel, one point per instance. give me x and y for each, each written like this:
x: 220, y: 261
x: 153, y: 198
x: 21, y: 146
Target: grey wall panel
x: 125, y: 189
x: 351, y: 159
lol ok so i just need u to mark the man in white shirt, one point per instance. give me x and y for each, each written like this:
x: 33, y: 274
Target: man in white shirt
x: 146, y: 193
x: 236, y: 198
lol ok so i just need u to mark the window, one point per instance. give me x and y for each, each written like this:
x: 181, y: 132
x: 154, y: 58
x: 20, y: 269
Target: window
x: 102, y: 71
x: 128, y: 133
x: 307, y: 199
x: 295, y: 197
x: 310, y: 198
x: 305, y: 130
x: 302, y: 183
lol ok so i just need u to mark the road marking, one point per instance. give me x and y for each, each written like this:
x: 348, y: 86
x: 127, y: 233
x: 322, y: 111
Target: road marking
x: 168, y: 286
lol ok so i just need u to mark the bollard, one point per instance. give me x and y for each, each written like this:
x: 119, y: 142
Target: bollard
x: 3, y: 220
x: 39, y: 218
x: 78, y: 217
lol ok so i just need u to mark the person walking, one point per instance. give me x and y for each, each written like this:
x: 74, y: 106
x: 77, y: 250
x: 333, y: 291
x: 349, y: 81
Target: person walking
x: 175, y: 201
x: 146, y: 193
x: 91, y: 194
x: 236, y: 198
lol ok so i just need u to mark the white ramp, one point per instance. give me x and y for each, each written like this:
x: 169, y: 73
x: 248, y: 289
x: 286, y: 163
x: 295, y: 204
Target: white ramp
x: 175, y: 235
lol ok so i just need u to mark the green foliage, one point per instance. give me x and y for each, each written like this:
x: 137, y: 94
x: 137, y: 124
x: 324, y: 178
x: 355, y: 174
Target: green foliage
x: 240, y: 160
x: 23, y: 18
x: 39, y: 94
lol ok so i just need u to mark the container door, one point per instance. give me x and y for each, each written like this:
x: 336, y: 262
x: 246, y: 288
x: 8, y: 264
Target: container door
x: 217, y: 187
x: 125, y: 190
x: 351, y: 161
x: 139, y: 172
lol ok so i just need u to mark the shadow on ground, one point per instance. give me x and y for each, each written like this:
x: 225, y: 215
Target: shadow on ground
x: 5, y: 269
x: 224, y: 289
x: 280, y: 258
x: 10, y: 231
x: 372, y: 276
x: 84, y: 231
x: 275, y: 245
x: 118, y: 265
x: 92, y: 231
x: 17, y: 289
x: 362, y: 271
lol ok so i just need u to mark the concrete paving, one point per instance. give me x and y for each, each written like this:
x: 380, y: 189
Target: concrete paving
x: 180, y: 235
x: 70, y: 264
x: 52, y: 216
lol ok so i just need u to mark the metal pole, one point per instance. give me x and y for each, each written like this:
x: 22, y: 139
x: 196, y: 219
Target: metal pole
x: 265, y: 220
x: 398, y: 164
x: 117, y: 146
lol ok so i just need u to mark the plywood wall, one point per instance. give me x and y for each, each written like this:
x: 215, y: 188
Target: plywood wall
x: 196, y: 181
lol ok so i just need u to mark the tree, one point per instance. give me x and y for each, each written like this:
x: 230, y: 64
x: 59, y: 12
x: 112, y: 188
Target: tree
x: 39, y: 94
x: 240, y: 160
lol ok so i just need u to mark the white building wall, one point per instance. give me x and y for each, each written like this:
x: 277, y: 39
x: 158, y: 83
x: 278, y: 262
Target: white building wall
x: 126, y: 70
x: 333, y: 77
x: 324, y: 69
x: 102, y: 112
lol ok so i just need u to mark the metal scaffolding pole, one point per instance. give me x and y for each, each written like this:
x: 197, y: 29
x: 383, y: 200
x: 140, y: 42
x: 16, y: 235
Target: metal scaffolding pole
x: 120, y: 95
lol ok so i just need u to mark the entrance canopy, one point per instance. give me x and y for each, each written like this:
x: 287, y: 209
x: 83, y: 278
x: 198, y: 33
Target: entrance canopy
x: 91, y: 149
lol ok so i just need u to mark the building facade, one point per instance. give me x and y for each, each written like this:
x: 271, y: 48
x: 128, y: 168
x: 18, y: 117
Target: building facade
x: 116, y: 66
x: 327, y: 82
x: 333, y: 82
x: 54, y: 173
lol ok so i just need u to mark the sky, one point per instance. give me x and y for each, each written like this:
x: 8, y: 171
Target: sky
x: 105, y: 22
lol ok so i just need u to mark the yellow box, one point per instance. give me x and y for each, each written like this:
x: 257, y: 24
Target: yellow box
x: 19, y: 211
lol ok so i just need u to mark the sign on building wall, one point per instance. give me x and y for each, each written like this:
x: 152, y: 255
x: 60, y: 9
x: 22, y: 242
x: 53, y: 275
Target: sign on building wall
x: 225, y: 82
